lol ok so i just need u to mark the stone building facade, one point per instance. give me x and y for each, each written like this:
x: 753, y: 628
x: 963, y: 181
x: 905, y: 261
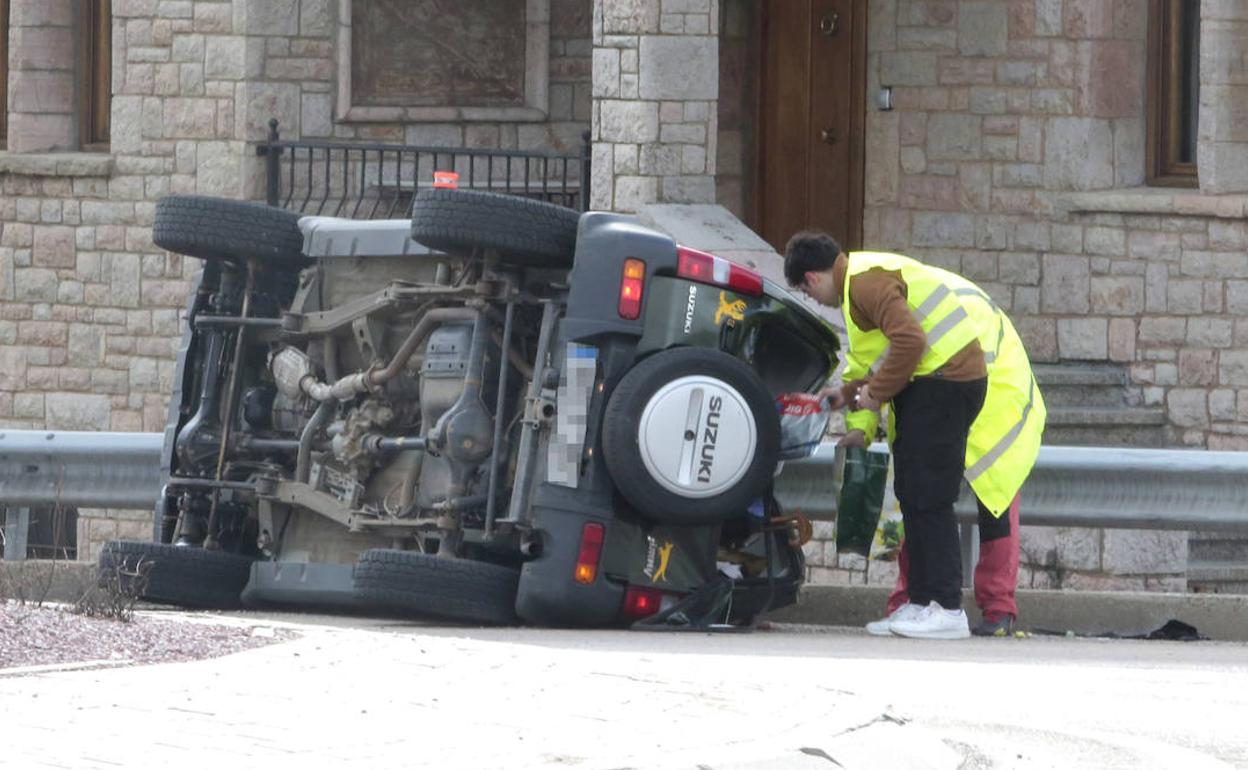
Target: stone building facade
x: 1013, y: 151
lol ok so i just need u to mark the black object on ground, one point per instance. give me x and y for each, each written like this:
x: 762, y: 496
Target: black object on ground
x: 1171, y: 631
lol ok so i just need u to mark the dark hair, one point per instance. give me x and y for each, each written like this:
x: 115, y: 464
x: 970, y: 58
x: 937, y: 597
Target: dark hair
x: 808, y: 251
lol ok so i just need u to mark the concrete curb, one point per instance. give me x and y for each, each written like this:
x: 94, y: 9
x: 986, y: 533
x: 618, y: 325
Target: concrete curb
x: 1218, y: 616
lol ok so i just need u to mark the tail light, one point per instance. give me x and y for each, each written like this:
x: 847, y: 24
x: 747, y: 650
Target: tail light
x: 643, y: 601
x: 631, y: 284
x: 587, y: 558
x: 699, y: 266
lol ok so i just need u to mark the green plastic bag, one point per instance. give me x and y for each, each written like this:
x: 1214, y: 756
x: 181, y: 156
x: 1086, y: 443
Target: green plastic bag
x: 864, y: 475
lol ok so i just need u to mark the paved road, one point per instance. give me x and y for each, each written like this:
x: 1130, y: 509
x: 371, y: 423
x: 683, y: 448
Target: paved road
x: 353, y: 693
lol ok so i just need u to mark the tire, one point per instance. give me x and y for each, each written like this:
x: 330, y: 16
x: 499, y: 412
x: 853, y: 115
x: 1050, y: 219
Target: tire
x: 455, y: 589
x: 186, y: 576
x: 677, y: 481
x: 523, y: 232
x: 220, y: 228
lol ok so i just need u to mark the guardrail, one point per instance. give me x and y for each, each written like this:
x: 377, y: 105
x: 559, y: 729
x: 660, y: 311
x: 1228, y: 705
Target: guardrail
x: 1176, y: 489
x: 1172, y: 489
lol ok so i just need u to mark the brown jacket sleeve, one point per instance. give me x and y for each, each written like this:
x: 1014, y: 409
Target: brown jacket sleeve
x: 878, y: 301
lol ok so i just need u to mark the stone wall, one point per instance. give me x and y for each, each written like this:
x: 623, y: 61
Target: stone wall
x: 1015, y: 155
x: 655, y: 86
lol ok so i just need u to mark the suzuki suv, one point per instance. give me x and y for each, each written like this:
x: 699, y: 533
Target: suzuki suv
x: 499, y: 409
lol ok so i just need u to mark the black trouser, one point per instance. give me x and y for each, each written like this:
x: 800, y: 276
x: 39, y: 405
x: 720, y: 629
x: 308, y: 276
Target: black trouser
x: 933, y: 417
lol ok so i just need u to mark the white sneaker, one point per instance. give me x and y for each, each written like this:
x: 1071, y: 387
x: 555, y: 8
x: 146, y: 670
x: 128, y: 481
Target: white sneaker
x: 881, y: 627
x: 933, y: 622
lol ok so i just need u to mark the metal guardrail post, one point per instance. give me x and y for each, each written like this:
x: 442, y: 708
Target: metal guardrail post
x: 16, y: 529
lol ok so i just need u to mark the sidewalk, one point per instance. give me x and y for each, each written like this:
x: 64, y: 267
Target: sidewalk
x: 352, y: 698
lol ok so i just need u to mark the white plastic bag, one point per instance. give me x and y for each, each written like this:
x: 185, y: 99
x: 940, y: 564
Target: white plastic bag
x: 803, y: 422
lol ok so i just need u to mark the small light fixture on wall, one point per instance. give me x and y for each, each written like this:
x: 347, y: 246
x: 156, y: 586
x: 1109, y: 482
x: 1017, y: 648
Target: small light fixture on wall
x: 884, y: 98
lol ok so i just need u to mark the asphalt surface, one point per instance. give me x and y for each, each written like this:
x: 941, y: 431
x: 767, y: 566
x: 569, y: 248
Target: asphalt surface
x: 352, y: 692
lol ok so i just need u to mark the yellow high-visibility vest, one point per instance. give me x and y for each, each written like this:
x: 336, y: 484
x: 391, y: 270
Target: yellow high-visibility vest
x: 1005, y: 437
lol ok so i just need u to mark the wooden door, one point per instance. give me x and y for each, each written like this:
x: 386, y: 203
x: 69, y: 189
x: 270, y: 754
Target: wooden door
x: 811, y: 115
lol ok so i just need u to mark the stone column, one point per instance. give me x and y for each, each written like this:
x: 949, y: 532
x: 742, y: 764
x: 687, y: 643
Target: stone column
x: 1222, y: 150
x: 655, y: 94
x: 41, y: 76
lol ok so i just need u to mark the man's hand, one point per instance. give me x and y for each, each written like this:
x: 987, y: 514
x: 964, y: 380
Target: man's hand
x: 865, y: 400
x: 855, y: 438
x: 834, y: 397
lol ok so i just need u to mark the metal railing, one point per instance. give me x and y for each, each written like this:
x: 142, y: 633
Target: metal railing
x: 378, y: 181
x: 1172, y: 489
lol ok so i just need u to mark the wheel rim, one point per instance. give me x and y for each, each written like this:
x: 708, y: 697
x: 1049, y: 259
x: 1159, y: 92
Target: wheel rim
x: 697, y: 436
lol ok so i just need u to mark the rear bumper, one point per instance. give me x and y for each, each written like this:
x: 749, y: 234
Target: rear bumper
x: 548, y: 593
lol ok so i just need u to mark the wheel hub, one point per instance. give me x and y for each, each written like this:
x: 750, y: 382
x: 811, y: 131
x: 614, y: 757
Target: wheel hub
x: 697, y: 436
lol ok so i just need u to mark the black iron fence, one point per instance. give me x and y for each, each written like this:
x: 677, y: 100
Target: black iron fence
x: 378, y: 181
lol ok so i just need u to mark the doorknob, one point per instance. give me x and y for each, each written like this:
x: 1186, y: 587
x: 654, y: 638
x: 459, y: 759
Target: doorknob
x: 828, y: 24
x: 828, y: 135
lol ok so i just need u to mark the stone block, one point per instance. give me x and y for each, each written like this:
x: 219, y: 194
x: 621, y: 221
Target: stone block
x: 693, y: 160
x: 28, y: 405
x: 931, y: 193
x: 1223, y: 166
x: 1108, y: 79
x: 1129, y: 152
x: 1209, y: 332
x: 86, y: 345
x: 682, y: 133
x: 951, y: 136
x: 1105, y: 241
x: 1078, y: 154
x: 952, y: 230
x: 1078, y: 548
x: 961, y: 72
x: 1163, y: 330
x: 219, y: 169
x: 606, y: 73
x: 190, y: 118
x: 1237, y: 297
x: 77, y: 411
x: 42, y: 91
x: 33, y: 284
x: 926, y: 39
x: 1133, y: 552
x: 909, y: 69
x: 54, y: 247
x: 1151, y: 244
x: 630, y: 17
x: 626, y: 121
x: 1188, y: 407
x: 1065, y: 284
x: 1117, y: 295
x: 1085, y: 339
x: 633, y: 192
x: 983, y: 28
x: 1214, y: 264
x: 688, y: 189
x: 679, y: 67
x: 882, y: 139
x: 41, y: 48
x: 42, y: 13
x: 1121, y: 340
x: 1016, y: 268
x: 988, y: 101
x: 1039, y: 335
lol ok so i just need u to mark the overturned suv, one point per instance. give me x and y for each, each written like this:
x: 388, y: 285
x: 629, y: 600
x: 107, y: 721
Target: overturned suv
x: 497, y: 410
